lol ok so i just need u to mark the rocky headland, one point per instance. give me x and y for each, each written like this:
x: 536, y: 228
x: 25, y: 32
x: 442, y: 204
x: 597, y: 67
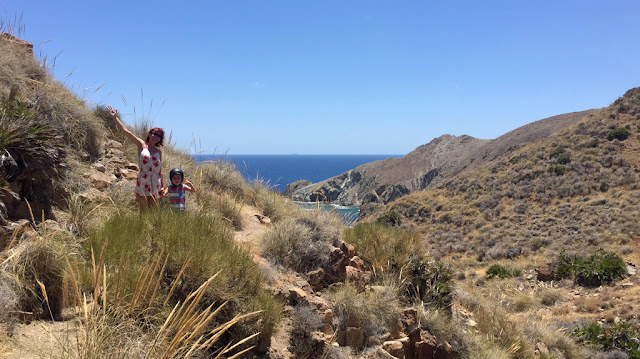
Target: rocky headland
x: 383, y: 181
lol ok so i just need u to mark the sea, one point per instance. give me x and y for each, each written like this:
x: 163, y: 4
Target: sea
x: 276, y: 171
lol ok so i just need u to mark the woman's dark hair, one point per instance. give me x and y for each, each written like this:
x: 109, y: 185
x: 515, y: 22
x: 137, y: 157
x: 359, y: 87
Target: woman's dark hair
x: 156, y: 130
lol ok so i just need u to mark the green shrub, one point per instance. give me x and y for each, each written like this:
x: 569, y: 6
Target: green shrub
x: 556, y: 152
x: 617, y: 336
x: 391, y: 218
x: 502, y: 272
x: 594, y: 270
x: 522, y: 177
x: 515, y: 159
x: 563, y: 158
x: 620, y: 134
x: 556, y: 169
x: 591, y: 143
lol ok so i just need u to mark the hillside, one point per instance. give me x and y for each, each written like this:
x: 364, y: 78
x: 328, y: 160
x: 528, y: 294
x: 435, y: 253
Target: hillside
x: 426, y: 166
x: 574, y: 190
x: 245, y: 273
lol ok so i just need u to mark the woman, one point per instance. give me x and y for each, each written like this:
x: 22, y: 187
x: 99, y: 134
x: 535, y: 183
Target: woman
x: 149, y: 184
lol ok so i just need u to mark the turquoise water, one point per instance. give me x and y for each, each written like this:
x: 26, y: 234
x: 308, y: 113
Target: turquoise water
x: 348, y: 214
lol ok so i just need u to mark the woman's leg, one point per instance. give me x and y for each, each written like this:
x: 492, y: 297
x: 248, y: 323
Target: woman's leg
x: 143, y: 203
x: 152, y: 202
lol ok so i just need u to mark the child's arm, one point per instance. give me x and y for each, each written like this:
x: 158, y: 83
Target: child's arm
x: 164, y: 191
x: 189, y: 186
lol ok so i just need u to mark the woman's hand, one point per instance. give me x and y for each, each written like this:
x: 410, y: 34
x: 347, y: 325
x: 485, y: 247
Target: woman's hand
x: 112, y: 112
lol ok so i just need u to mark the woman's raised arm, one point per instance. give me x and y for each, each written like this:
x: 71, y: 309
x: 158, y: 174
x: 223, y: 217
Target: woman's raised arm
x: 124, y: 129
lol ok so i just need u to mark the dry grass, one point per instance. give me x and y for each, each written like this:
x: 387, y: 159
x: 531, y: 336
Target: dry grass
x: 385, y: 248
x: 556, y: 339
x: 304, y: 243
x: 59, y: 108
x: 494, y: 323
x: 272, y: 204
x: 18, y: 68
x: 27, y: 264
x: 223, y: 176
x: 202, y: 240
x: 374, y: 310
x: 109, y: 329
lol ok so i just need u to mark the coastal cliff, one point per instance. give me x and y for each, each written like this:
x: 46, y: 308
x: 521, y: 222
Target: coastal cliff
x: 446, y: 156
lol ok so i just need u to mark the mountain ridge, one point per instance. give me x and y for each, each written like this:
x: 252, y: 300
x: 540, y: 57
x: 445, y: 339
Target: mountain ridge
x: 383, y: 181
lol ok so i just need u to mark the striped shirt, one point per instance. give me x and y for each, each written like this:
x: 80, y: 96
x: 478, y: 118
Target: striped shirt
x: 177, y: 196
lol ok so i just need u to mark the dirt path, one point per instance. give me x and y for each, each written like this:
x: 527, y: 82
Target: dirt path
x: 250, y: 239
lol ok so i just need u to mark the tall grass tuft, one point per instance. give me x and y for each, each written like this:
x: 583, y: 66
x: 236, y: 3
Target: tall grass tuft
x: 272, y: 204
x: 29, y: 264
x: 375, y: 310
x: 142, y: 244
x: 110, y: 328
x: 224, y: 177
x: 303, y: 243
x: 385, y: 248
x: 495, y: 325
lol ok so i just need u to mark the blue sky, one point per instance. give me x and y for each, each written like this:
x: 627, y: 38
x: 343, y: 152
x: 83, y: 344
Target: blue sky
x: 337, y: 77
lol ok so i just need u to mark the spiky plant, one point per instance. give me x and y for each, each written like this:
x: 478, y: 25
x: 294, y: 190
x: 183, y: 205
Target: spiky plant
x: 31, y: 153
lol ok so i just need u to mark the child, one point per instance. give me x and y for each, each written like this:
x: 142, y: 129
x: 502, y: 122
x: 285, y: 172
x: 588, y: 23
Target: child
x: 177, y: 189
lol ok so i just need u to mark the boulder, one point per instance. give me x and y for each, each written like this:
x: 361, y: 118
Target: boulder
x: 101, y: 181
x: 394, y: 347
x: 357, y: 262
x: 383, y: 354
x: 356, y: 275
x: 315, y: 278
x: 544, y: 274
x: 297, y: 296
x: 99, y: 167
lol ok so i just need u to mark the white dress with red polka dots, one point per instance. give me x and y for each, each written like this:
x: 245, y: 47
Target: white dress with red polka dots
x: 148, y: 183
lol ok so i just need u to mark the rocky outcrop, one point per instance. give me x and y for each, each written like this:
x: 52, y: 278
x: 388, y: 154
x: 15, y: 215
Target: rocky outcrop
x: 294, y: 186
x: 27, y: 46
x: 383, y: 181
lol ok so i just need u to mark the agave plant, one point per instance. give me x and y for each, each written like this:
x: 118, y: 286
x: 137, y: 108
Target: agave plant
x: 31, y: 154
